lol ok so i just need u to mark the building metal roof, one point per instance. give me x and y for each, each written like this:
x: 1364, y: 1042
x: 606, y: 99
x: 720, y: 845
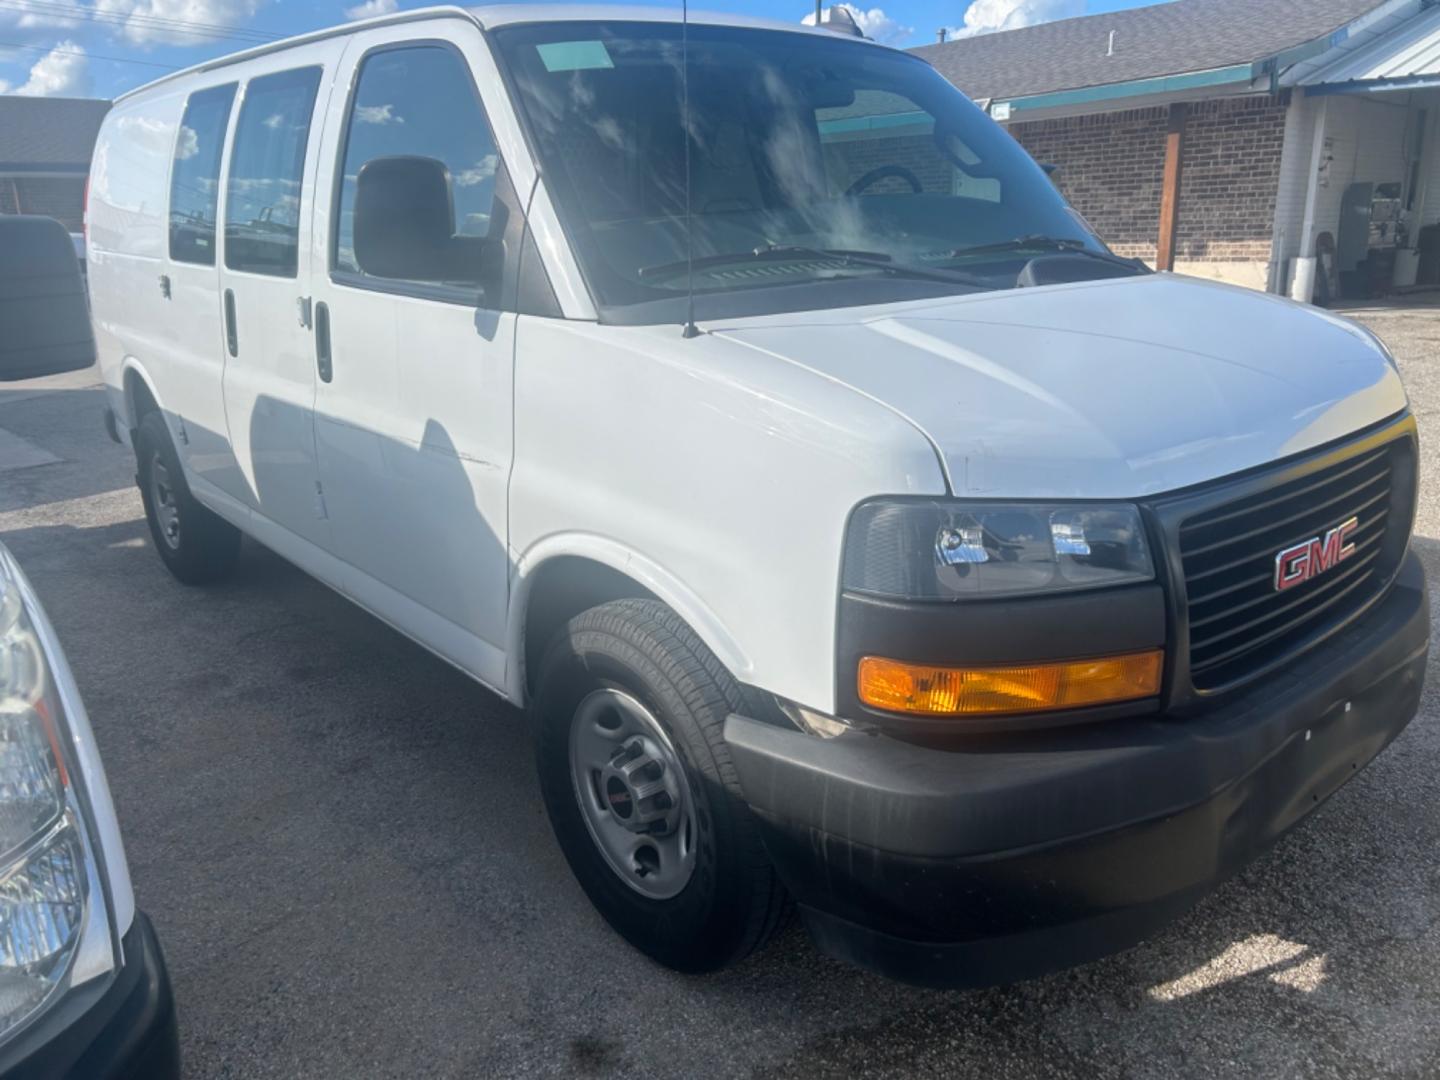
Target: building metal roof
x: 40, y: 134
x: 1406, y: 56
x: 1149, y: 43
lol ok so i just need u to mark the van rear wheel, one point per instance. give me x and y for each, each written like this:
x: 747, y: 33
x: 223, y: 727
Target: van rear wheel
x: 197, y: 546
x: 642, y: 795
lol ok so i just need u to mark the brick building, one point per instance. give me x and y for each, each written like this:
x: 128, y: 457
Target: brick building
x: 45, y: 148
x: 1225, y: 138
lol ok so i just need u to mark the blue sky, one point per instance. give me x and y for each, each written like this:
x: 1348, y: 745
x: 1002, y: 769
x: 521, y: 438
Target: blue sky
x: 99, y: 48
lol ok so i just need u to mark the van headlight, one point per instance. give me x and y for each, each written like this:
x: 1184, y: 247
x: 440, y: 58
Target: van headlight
x: 950, y: 550
x: 54, y: 927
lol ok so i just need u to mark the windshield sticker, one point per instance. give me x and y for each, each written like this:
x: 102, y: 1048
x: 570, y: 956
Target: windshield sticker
x: 574, y: 55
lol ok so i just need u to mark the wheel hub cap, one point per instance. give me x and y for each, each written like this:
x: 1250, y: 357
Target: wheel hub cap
x: 640, y: 788
x: 162, y: 496
x: 633, y: 794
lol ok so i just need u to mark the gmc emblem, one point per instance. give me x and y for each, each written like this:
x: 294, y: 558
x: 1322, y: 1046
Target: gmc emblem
x: 1300, y: 562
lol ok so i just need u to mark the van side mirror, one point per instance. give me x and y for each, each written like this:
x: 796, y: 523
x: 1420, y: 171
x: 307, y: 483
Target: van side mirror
x: 405, y: 222
x: 44, y: 315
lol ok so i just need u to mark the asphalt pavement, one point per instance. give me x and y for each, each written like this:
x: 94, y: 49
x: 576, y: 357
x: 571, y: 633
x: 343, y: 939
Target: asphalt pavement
x: 341, y: 842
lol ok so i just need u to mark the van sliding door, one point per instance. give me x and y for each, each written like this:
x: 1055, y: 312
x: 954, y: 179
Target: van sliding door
x: 190, y: 330
x: 269, y: 366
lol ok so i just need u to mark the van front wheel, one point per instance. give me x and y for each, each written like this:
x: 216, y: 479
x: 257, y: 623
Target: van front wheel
x: 194, y: 544
x: 630, y: 711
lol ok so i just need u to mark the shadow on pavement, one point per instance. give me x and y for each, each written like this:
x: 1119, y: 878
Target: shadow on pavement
x: 62, y: 423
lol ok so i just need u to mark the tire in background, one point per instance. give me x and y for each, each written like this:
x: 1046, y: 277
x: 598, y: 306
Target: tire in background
x: 195, y: 545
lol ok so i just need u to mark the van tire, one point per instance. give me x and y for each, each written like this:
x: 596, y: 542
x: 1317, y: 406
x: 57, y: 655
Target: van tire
x: 732, y: 901
x: 196, y: 546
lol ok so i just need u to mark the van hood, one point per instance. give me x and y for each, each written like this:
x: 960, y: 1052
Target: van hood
x: 1109, y: 389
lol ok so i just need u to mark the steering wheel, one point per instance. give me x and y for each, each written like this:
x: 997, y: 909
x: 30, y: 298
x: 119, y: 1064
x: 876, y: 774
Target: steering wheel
x: 884, y: 172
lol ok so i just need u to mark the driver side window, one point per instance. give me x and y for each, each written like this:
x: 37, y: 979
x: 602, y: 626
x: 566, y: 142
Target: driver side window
x: 885, y: 144
x: 420, y: 102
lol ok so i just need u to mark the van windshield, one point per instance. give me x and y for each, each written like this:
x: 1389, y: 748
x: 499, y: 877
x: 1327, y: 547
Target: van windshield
x: 824, y: 172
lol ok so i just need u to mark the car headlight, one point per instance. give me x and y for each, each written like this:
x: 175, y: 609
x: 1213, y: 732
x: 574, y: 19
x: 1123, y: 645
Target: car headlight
x: 950, y: 550
x: 54, y: 927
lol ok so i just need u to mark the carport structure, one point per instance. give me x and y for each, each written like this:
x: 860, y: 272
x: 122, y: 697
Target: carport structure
x: 1190, y: 133
x: 1363, y: 159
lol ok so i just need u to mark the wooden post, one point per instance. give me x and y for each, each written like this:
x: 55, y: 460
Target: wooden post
x: 1170, y: 189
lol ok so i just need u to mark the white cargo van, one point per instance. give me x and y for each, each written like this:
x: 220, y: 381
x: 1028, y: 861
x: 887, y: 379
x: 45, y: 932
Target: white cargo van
x: 738, y: 397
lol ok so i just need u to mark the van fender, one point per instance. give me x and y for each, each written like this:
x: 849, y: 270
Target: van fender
x: 623, y: 560
x: 129, y: 364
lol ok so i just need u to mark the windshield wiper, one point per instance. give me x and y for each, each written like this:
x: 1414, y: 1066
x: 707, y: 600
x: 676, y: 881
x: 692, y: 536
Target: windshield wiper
x: 765, y: 251
x: 876, y: 260
x: 1065, y: 244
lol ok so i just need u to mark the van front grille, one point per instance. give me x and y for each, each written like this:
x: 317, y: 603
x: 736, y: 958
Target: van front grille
x: 1239, y: 621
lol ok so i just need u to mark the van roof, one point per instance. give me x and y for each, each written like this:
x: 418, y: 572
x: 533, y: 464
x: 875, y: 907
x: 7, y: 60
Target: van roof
x: 496, y: 15
x: 492, y: 16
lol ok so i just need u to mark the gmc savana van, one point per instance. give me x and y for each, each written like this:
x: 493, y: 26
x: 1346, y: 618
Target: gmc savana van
x: 859, y: 530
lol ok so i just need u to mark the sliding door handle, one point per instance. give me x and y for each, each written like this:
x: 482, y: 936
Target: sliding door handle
x: 322, y: 341
x: 232, y: 342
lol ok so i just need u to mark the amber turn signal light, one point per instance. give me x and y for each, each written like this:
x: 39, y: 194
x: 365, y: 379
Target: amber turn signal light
x: 925, y: 690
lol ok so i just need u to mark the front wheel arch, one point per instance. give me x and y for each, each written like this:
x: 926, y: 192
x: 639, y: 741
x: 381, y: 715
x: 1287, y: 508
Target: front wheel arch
x: 561, y: 589
x: 599, y: 570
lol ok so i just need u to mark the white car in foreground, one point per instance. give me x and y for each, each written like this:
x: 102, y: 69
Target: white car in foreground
x: 83, y: 987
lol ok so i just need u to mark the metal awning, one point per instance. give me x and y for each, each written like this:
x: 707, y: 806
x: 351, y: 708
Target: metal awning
x: 1405, y: 58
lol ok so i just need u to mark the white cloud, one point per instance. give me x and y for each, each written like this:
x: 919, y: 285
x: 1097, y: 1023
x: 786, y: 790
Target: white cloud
x: 62, y: 72
x: 188, y: 19
x: 481, y: 170
x: 874, y: 24
x: 371, y: 8
x: 51, y: 19
x: 378, y: 114
x: 151, y: 132
x: 188, y: 145
x: 987, y: 16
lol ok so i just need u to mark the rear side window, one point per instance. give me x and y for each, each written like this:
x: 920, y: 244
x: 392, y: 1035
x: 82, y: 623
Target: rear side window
x: 420, y: 102
x: 195, y: 175
x: 262, y: 194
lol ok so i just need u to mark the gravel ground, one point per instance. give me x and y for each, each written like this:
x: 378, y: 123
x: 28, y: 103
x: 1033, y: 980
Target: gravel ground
x: 342, y: 845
